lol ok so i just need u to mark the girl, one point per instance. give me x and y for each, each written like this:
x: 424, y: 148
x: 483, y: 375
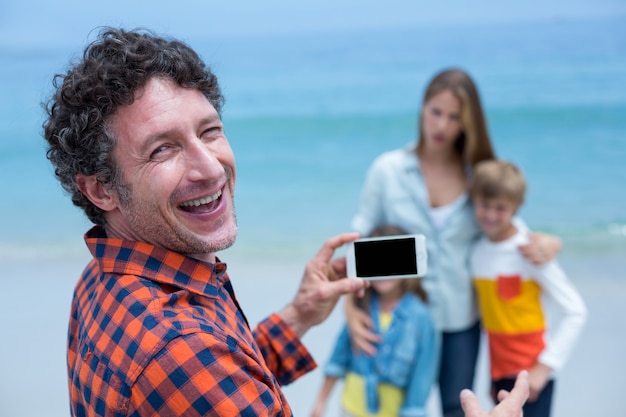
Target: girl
x: 398, y: 379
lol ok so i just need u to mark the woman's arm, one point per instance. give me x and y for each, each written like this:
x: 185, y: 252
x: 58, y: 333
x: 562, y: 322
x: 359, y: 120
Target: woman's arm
x: 360, y: 328
x: 541, y: 248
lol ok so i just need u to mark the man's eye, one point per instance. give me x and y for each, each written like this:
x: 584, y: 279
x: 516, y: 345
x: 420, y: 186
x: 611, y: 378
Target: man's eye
x: 212, y: 131
x: 158, y: 150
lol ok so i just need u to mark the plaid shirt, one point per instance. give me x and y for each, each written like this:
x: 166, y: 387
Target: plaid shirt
x: 153, y: 332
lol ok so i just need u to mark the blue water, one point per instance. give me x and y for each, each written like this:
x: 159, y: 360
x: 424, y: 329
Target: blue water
x: 306, y: 115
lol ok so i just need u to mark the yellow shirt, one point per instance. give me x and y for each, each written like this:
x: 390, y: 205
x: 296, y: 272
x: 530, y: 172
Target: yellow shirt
x: 353, y: 399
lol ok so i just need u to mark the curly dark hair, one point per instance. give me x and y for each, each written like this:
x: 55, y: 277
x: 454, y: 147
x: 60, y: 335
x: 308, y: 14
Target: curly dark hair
x: 112, y: 69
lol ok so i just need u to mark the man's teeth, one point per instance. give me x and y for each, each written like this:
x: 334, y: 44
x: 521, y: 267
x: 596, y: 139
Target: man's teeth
x: 206, y: 200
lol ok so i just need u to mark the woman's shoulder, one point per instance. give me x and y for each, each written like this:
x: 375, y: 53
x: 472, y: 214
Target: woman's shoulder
x: 400, y: 157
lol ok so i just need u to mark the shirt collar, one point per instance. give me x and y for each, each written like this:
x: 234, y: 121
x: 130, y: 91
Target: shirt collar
x: 410, y: 161
x: 125, y: 257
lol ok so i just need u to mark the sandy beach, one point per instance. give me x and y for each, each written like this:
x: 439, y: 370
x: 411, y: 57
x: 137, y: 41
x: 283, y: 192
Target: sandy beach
x: 587, y: 386
x: 35, y: 309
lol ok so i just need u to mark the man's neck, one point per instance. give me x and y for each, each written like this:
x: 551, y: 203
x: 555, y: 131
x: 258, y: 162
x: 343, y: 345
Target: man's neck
x: 116, y: 233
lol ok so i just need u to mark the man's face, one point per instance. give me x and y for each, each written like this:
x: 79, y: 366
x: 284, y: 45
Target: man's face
x: 495, y: 217
x: 178, y: 170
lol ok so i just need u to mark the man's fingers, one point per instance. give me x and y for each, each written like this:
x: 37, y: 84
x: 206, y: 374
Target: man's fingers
x: 338, y: 266
x: 470, y: 404
x: 517, y: 397
x: 521, y: 389
x: 345, y: 286
x: 502, y: 394
x: 332, y: 244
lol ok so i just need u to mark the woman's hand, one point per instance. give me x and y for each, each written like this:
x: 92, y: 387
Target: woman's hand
x: 541, y: 248
x: 360, y: 327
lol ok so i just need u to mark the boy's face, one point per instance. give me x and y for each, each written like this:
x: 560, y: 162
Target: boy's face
x: 494, y: 216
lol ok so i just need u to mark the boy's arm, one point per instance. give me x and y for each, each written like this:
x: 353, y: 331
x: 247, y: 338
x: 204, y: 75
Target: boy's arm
x: 320, y: 404
x: 538, y: 377
x: 559, y: 290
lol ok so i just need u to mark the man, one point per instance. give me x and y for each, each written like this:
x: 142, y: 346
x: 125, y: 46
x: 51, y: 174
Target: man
x: 135, y: 135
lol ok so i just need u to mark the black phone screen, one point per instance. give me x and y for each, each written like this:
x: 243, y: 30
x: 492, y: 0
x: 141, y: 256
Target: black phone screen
x: 387, y: 257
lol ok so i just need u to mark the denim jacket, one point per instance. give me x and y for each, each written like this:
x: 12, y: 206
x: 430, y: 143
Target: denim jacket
x: 407, y: 356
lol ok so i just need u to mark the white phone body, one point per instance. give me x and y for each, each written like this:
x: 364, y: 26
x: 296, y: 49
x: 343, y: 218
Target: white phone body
x: 386, y: 257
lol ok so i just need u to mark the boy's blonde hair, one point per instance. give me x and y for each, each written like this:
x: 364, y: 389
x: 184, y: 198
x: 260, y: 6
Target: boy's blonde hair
x: 494, y: 179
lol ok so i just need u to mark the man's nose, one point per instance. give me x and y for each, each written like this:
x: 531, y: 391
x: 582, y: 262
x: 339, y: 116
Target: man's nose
x: 202, y: 161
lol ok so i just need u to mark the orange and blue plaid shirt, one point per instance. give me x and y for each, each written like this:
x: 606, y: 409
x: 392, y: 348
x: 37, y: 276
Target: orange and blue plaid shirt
x: 153, y: 332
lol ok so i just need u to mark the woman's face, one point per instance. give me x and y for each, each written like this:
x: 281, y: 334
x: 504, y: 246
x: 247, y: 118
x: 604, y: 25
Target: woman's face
x: 441, y: 120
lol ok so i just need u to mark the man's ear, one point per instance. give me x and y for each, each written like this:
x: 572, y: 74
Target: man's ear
x: 99, y: 194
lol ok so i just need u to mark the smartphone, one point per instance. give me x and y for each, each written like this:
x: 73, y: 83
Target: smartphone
x: 386, y: 257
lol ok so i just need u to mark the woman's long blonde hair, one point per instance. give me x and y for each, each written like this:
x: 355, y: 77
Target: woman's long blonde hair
x: 473, y: 143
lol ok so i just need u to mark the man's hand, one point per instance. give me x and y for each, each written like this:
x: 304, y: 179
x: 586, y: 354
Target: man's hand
x: 510, y: 402
x: 324, y: 281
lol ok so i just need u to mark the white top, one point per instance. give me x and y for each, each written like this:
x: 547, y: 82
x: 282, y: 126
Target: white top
x: 395, y: 193
x: 558, y: 295
x: 440, y: 214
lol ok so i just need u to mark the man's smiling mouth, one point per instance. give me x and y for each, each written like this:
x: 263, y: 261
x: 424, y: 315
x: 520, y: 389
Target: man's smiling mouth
x: 201, y: 201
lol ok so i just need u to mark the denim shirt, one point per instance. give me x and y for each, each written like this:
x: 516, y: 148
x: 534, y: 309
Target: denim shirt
x: 407, y: 356
x: 395, y: 193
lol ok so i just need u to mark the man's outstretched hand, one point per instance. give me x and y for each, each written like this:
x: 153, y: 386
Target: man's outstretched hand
x: 510, y: 402
x: 323, y: 282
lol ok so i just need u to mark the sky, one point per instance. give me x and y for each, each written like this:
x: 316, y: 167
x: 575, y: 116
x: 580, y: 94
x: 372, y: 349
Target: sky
x: 36, y: 22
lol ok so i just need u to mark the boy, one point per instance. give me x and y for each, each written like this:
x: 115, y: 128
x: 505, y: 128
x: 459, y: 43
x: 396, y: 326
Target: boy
x: 514, y: 294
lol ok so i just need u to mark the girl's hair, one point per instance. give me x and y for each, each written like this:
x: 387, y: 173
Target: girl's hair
x: 473, y: 143
x: 413, y: 285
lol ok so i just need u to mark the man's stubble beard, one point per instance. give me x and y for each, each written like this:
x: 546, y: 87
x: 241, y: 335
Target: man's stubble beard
x: 183, y: 241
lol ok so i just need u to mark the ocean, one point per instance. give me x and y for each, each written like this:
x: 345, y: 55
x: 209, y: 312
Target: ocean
x: 306, y: 114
